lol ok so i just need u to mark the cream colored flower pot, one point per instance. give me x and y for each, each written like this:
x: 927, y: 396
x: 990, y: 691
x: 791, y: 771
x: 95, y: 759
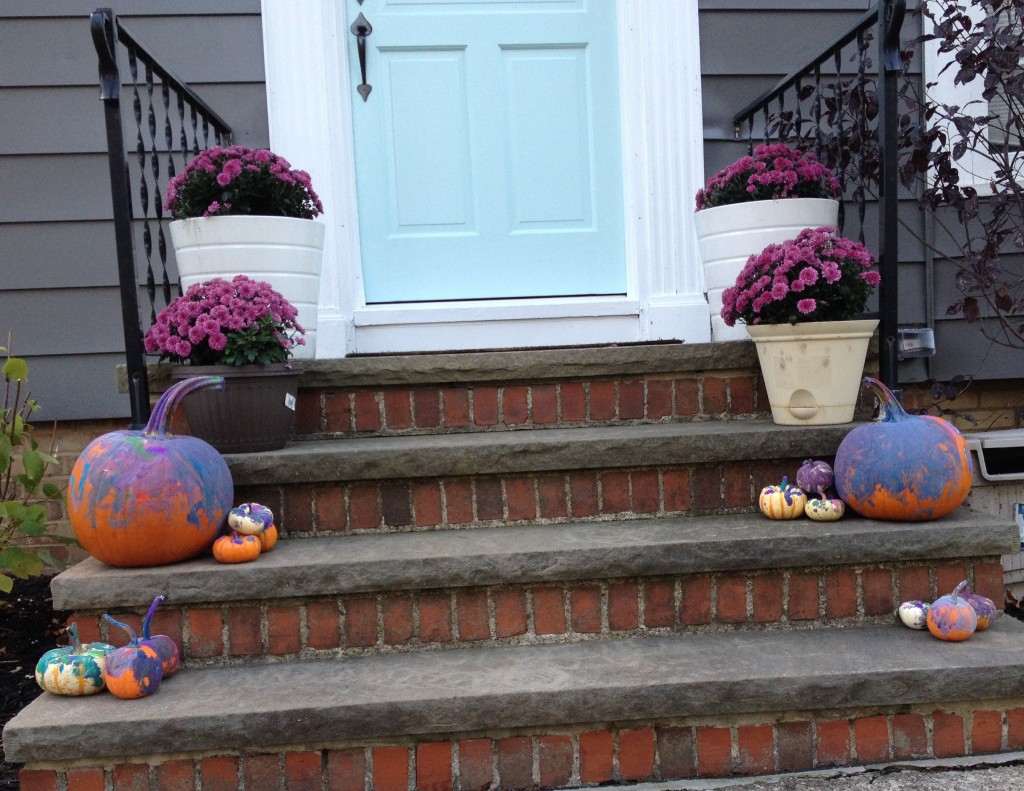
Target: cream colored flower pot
x: 729, y: 235
x: 283, y: 251
x: 813, y: 371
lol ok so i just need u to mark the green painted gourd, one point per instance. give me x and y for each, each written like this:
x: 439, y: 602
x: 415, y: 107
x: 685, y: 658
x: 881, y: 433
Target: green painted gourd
x: 76, y: 669
x: 903, y: 467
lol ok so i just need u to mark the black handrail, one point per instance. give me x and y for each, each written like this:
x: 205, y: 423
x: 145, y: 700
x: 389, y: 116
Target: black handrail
x: 885, y: 19
x: 107, y: 32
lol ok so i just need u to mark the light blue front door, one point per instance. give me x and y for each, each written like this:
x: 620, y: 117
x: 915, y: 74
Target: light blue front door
x: 488, y: 158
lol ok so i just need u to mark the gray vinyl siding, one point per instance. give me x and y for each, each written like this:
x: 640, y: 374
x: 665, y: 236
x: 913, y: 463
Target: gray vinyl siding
x: 59, y: 291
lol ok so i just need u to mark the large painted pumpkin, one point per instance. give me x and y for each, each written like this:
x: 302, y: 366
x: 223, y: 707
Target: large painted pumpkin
x: 903, y: 467
x: 148, y: 498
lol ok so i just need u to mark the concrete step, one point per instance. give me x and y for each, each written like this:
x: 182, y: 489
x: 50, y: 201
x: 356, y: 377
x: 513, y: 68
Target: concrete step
x: 707, y: 705
x: 332, y: 487
x: 313, y: 597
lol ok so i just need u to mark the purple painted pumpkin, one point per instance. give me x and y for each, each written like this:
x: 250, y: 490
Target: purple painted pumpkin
x: 148, y: 498
x: 134, y: 670
x: 903, y: 467
x: 166, y: 648
x: 984, y: 607
x: 952, y: 617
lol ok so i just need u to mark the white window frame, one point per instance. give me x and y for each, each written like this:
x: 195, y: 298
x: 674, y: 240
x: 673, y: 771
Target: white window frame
x: 306, y: 58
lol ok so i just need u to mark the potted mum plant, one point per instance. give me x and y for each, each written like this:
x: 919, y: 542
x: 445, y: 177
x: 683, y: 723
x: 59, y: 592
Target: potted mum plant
x: 760, y: 199
x: 239, y: 210
x: 245, y: 331
x: 798, y: 300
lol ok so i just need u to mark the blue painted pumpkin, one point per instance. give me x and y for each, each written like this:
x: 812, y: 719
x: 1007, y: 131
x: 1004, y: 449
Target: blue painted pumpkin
x: 148, y: 498
x: 903, y: 467
x: 952, y: 617
x: 170, y: 655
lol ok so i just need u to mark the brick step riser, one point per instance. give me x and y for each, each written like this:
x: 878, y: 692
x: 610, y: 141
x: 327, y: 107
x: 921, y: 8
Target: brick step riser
x: 586, y: 754
x: 338, y: 626
x: 402, y: 410
x: 347, y: 507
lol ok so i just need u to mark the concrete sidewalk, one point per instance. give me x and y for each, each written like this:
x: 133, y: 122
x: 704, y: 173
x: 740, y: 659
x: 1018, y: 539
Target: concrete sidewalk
x: 1004, y: 772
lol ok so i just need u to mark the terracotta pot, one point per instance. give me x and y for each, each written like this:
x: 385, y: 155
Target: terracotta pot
x: 254, y: 412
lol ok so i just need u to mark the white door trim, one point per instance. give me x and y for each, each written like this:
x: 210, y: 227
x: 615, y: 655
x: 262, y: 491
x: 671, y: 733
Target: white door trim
x: 306, y: 44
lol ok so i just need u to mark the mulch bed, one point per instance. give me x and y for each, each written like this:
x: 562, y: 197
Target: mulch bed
x: 28, y: 628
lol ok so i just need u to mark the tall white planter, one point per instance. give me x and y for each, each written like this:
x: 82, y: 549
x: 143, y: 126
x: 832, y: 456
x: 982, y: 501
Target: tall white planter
x: 812, y: 371
x: 729, y: 235
x: 286, y: 252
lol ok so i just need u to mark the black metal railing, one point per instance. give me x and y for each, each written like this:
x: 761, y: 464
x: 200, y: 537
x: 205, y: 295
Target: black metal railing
x: 171, y: 124
x: 844, y: 108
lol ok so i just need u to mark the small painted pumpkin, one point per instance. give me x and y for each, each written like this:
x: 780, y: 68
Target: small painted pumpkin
x: 984, y: 607
x: 903, y: 467
x: 815, y: 476
x: 952, y: 617
x: 268, y: 538
x: 236, y: 548
x: 76, y: 669
x: 170, y: 655
x: 914, y: 614
x: 134, y: 670
x: 250, y: 518
x: 825, y: 510
x: 148, y: 498
x: 782, y: 501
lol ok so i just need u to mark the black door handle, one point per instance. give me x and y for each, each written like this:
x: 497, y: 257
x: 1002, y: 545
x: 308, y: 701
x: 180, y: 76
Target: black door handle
x: 361, y: 28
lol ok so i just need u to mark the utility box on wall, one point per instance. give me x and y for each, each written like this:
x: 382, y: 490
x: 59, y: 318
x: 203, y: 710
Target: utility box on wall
x: 998, y: 489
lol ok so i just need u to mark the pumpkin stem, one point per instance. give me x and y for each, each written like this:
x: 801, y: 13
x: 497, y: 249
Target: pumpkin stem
x: 126, y: 627
x: 958, y: 590
x: 160, y: 420
x: 73, y: 634
x: 891, y: 408
x: 147, y: 621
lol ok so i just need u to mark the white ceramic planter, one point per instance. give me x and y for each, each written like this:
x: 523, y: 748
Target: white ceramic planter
x: 729, y: 235
x: 284, y: 251
x: 813, y: 371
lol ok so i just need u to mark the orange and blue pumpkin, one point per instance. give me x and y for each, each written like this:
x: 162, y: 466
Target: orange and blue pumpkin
x: 166, y: 648
x: 76, y: 669
x: 952, y: 617
x: 984, y: 607
x: 903, y: 467
x: 237, y: 548
x: 148, y: 498
x: 134, y: 670
x: 250, y: 518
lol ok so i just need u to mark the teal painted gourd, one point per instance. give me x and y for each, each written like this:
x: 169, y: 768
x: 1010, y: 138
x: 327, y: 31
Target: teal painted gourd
x: 76, y: 669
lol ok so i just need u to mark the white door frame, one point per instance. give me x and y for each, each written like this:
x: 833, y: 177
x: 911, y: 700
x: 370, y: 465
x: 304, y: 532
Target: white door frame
x: 306, y: 58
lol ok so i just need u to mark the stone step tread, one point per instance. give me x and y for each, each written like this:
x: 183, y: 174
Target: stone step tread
x: 534, y: 450
x: 421, y: 694
x: 530, y: 554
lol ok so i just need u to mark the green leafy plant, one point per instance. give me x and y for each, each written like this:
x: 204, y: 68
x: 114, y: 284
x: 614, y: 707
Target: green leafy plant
x: 23, y: 492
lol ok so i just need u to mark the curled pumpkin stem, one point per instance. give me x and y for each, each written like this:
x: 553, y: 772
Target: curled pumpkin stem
x: 891, y: 407
x: 126, y: 627
x: 160, y: 420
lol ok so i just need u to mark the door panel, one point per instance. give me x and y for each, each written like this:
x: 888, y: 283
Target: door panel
x: 488, y: 153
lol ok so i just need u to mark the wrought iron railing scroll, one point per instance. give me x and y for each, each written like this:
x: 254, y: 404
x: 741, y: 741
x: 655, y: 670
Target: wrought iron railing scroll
x: 848, y: 117
x: 171, y: 124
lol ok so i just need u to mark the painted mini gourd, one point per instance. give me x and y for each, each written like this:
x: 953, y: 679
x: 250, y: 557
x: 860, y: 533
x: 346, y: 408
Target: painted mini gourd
x: 268, y: 538
x: 914, y: 614
x: 830, y: 510
x: 237, y: 548
x: 148, y: 498
x: 76, y: 669
x: 165, y: 647
x: 903, y: 467
x: 952, y: 617
x: 782, y: 501
x: 250, y: 518
x: 134, y: 670
x: 815, y: 477
x: 984, y: 607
